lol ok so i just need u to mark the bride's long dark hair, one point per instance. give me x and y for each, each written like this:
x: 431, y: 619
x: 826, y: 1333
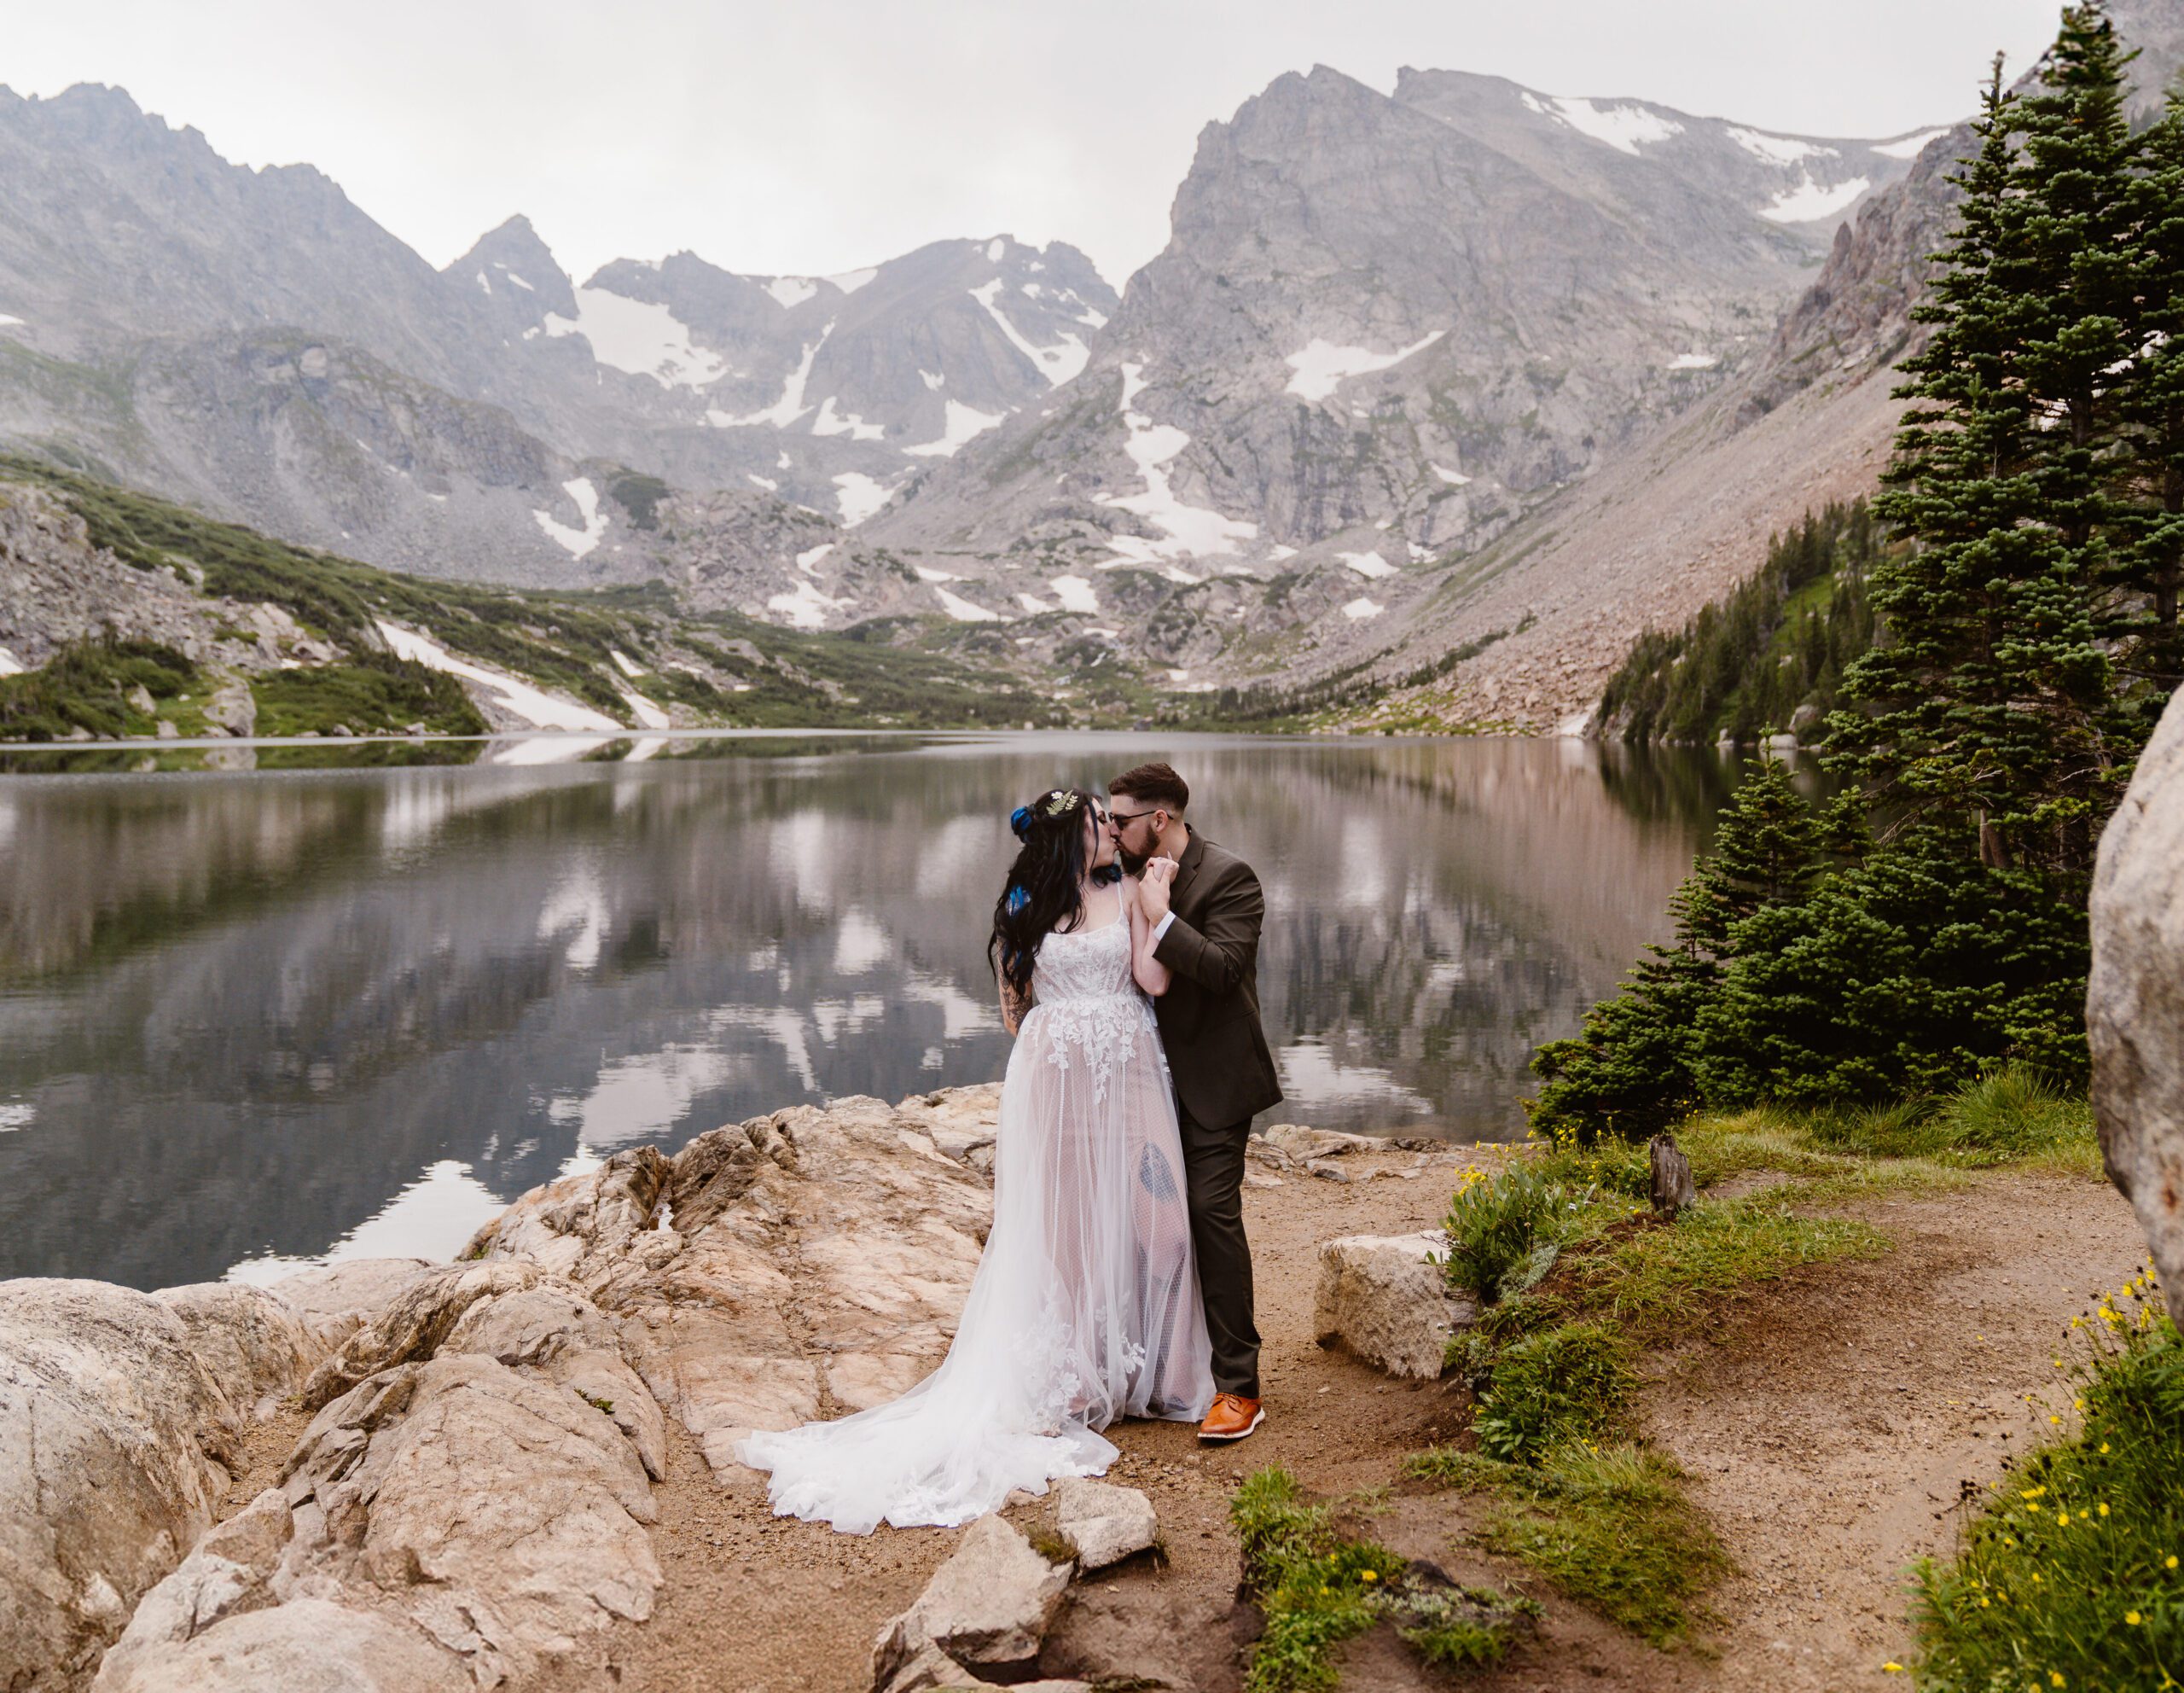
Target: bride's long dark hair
x: 1045, y: 888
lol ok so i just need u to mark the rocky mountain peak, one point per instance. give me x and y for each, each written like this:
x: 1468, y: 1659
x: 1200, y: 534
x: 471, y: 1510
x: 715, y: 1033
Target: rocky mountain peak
x: 512, y: 264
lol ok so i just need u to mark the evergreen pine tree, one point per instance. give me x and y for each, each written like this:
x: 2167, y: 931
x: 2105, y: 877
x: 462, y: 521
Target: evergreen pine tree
x: 1630, y: 1070
x: 1986, y: 702
x: 2153, y: 546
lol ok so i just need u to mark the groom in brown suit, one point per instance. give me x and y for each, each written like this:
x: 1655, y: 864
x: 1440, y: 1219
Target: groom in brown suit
x: 1206, y: 908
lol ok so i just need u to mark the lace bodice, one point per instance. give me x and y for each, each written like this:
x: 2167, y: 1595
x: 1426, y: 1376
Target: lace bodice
x: 1089, y: 1009
x: 1085, y: 964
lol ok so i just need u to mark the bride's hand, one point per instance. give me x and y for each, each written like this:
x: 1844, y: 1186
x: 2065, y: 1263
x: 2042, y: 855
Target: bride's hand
x: 1154, y: 883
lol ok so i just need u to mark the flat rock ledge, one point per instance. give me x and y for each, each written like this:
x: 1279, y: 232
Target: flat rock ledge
x: 1383, y: 1299
x: 471, y: 1499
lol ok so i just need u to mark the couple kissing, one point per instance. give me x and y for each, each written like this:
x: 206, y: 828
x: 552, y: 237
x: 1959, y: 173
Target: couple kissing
x: 1116, y: 1280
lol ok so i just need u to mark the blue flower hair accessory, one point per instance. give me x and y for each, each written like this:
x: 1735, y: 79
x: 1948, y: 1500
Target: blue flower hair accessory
x: 1020, y: 820
x: 1018, y: 897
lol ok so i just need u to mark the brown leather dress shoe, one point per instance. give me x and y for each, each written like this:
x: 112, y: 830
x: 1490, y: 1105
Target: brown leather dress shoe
x: 1233, y: 1416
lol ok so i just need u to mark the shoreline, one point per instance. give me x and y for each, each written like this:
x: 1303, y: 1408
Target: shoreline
x: 639, y: 1318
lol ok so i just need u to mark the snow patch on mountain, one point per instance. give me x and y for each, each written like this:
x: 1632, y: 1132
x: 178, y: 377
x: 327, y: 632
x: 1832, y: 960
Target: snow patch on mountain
x: 1778, y: 149
x: 579, y: 541
x: 1189, y: 531
x: 638, y: 336
x: 1624, y: 127
x: 963, y: 423
x: 859, y: 496
x: 1455, y: 479
x: 831, y: 422
x: 1075, y: 594
x: 1360, y: 609
x: 966, y: 611
x: 647, y: 715
x: 1909, y: 147
x: 805, y: 605
x: 849, y: 282
x: 1693, y: 361
x: 519, y: 699
x: 789, y: 407
x: 1058, y: 362
x: 1810, y: 200
x: 1367, y: 565
x: 994, y: 249
x: 791, y: 292
x: 1321, y: 366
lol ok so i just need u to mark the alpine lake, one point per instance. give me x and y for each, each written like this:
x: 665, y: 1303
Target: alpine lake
x: 254, y: 1019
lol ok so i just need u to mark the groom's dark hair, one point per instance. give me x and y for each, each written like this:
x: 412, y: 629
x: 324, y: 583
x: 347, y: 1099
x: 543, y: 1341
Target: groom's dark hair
x: 1158, y: 783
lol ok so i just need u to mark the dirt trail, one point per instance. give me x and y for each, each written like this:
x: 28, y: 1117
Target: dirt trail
x: 1828, y: 1425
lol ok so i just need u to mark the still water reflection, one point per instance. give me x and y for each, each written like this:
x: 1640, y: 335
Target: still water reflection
x: 249, y: 1020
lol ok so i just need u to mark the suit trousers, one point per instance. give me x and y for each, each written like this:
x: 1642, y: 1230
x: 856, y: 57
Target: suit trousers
x: 1213, y: 1177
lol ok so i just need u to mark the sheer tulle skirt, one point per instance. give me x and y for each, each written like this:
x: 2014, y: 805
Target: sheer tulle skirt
x: 1085, y: 1306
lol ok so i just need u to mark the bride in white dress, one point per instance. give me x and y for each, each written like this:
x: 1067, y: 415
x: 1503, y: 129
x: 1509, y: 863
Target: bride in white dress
x: 1085, y: 1306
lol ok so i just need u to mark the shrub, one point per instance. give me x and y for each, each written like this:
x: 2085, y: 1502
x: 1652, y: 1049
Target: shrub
x: 2070, y: 1576
x: 1551, y: 1389
x: 1504, y: 1231
x: 86, y: 685
x: 378, y: 691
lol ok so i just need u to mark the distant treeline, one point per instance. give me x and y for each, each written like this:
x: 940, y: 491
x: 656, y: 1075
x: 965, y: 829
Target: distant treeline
x: 1745, y: 665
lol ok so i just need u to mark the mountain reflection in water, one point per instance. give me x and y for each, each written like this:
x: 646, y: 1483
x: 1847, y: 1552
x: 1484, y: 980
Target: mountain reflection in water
x: 252, y: 1019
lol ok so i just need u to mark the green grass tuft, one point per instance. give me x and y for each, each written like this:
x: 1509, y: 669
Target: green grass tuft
x: 2073, y: 1574
x: 377, y: 694
x: 1611, y: 1527
x: 1316, y: 1588
x: 1653, y: 1281
x: 1548, y: 1389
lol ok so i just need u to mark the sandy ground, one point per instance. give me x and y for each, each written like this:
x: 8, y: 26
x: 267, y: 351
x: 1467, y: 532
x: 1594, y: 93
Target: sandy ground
x: 1830, y: 1421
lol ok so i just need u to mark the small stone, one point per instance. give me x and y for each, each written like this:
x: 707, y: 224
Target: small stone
x: 988, y: 1606
x: 1105, y: 1523
x: 166, y: 730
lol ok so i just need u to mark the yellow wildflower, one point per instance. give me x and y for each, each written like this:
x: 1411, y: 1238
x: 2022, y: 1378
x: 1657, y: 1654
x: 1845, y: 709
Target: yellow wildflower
x: 2131, y: 1617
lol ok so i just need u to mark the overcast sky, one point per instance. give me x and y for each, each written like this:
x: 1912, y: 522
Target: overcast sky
x: 816, y: 136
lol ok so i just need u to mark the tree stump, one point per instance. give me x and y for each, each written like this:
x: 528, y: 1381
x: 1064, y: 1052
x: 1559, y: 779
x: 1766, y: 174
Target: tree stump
x: 1673, y: 1188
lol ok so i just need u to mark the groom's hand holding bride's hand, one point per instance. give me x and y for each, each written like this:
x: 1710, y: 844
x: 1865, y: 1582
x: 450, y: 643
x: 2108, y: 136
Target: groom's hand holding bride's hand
x: 1154, y: 882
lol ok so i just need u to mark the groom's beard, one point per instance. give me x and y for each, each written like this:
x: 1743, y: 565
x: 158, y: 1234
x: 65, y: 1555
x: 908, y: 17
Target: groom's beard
x: 1132, y: 862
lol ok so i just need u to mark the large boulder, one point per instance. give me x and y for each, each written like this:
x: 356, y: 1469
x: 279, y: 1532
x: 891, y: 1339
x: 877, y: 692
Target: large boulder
x: 358, y: 1287
x: 2134, y: 1002
x: 1383, y: 1299
x: 445, y: 1524
x: 121, y: 1422
x: 815, y: 1260
x: 421, y: 1316
x: 987, y: 1607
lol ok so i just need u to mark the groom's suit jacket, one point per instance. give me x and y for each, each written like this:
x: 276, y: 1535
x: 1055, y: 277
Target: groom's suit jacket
x: 1210, y: 1016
